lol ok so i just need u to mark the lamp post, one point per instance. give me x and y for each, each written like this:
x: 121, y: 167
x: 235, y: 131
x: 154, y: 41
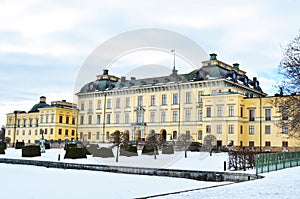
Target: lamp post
x: 15, y: 128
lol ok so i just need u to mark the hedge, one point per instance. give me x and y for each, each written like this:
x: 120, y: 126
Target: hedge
x: 31, y: 151
x: 75, y: 153
x: 128, y: 150
x: 70, y: 145
x: 149, y: 150
x: 2, y: 150
x: 104, y: 152
x: 168, y: 149
x: 20, y: 145
x: 3, y: 145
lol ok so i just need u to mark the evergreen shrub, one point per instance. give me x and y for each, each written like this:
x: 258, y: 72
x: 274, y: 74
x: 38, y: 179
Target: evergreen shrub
x: 149, y: 150
x: 168, y: 149
x: 20, y: 145
x: 128, y: 150
x: 31, y: 151
x: 75, y: 153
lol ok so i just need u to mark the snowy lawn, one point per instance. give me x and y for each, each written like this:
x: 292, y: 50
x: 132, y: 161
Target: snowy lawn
x: 277, y: 184
x: 30, y: 182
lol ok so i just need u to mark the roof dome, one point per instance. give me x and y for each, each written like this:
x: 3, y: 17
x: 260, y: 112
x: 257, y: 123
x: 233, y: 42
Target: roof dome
x: 41, y: 104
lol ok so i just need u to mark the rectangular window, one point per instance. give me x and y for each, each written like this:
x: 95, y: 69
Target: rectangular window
x: 200, y: 99
x: 98, y: 135
x: 267, y: 114
x: 200, y: 115
x: 140, y: 101
x: 200, y: 135
x: 188, y: 115
x: 42, y: 120
x: 188, y: 97
x: 82, y: 106
x: 230, y: 129
x: 90, y: 106
x: 208, y: 129
x: 108, y: 119
x: 98, y: 119
x: 219, y: 129
x: 175, y: 116
x: 219, y: 111
x: 59, y: 131
x: 251, y: 115
x: 29, y: 132
x: 127, y: 102
x: 66, y: 132
x: 152, y: 117
x: 118, y: 103
x: 208, y: 111
x: 251, y: 143
x: 46, y: 131
x: 37, y: 121
x: 51, y: 131
x: 241, y: 129
x: 99, y: 104
x: 19, y: 122
x: 242, y: 110
x: 24, y: 122
x: 152, y: 100
x: 175, y: 98
x: 73, y: 120
x: 47, y: 118
x: 285, y: 144
x: 164, y: 99
x: 127, y: 118
x: 52, y: 118
x: 67, y: 119
x: 81, y: 119
x: 285, y: 113
x: 251, y: 130
x: 108, y: 105
x: 90, y: 119
x: 73, y: 132
x: 60, y: 119
x: 231, y: 111
x: 163, y: 116
x: 267, y: 143
x: 285, y: 129
x: 117, y: 118
x: 139, y: 118
x: 267, y: 129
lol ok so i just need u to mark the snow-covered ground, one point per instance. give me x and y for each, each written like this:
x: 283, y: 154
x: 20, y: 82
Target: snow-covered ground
x: 28, y: 182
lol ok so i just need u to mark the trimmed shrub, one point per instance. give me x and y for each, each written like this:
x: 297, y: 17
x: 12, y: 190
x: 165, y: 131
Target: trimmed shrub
x: 168, y: 149
x: 104, y: 152
x: 70, y: 145
x: 2, y: 150
x: 3, y: 145
x: 20, y: 145
x: 91, y: 149
x: 31, y: 151
x: 128, y: 150
x: 75, y: 153
x: 149, y: 150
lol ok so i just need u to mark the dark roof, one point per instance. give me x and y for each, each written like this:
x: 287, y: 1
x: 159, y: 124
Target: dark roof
x: 37, y: 106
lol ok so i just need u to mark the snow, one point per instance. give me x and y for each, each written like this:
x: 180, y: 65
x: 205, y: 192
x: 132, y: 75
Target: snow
x: 59, y: 183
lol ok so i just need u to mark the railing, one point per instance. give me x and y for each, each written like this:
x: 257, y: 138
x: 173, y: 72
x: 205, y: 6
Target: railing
x: 275, y: 161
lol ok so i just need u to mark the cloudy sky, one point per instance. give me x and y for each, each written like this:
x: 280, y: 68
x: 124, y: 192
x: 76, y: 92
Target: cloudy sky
x: 43, y: 44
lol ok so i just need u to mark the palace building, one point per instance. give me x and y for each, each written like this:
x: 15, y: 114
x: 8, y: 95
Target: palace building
x: 216, y: 99
x: 57, y: 122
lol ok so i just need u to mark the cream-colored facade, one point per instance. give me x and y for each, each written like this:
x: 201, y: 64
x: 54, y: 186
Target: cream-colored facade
x: 216, y: 99
x: 57, y: 121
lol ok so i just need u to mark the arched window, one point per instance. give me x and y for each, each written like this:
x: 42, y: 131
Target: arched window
x: 188, y: 135
x: 174, y: 135
x: 107, y: 135
x: 200, y: 134
x: 89, y: 135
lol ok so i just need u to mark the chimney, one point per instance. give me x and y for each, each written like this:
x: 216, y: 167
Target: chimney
x: 236, y: 65
x: 254, y: 79
x: 123, y: 78
x: 42, y: 99
x: 105, y: 72
x: 213, y: 56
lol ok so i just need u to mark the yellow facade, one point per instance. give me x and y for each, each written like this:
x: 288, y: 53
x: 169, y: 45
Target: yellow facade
x: 57, y: 121
x: 214, y: 100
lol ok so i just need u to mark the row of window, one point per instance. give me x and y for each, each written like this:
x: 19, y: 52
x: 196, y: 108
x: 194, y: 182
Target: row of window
x: 45, y: 131
x: 153, y: 102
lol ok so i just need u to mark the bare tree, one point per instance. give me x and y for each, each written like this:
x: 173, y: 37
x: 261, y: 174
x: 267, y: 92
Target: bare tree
x: 184, y: 141
x: 290, y: 87
x: 116, y: 138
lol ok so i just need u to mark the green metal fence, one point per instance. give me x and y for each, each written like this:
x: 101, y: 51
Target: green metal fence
x: 274, y: 161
